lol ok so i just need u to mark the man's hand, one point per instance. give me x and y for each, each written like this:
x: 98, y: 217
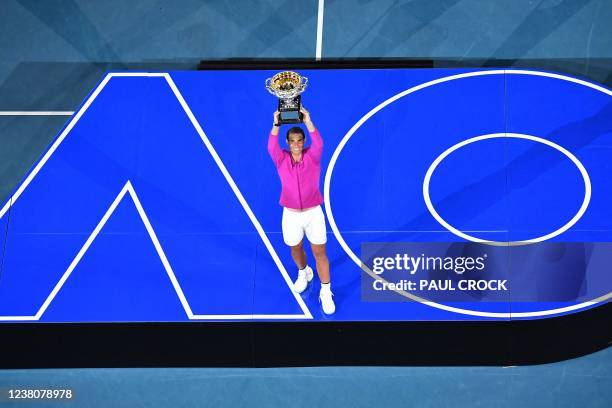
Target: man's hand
x: 306, y: 119
x: 305, y: 114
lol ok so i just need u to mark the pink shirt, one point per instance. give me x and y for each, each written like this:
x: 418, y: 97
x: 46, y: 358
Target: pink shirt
x: 299, y: 180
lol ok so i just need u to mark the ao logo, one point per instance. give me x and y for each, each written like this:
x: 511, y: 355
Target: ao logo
x: 432, y: 210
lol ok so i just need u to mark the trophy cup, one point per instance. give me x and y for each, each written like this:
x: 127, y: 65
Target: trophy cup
x: 288, y: 86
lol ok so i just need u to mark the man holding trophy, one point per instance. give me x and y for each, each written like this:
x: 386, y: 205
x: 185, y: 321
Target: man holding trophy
x: 299, y: 170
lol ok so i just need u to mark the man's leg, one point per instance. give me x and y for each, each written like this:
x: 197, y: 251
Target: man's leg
x: 317, y: 235
x: 316, y: 232
x: 305, y: 273
x: 325, y: 295
x: 299, y: 255
x: 293, y: 235
x: 318, y: 251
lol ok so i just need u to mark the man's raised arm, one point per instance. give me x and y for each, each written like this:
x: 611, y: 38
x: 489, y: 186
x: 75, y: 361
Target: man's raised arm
x: 274, y: 149
x: 316, y: 145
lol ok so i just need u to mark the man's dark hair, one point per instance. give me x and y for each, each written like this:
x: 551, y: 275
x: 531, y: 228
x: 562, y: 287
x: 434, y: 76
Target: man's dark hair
x: 296, y: 129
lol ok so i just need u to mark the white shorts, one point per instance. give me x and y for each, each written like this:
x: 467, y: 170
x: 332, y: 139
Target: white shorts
x: 311, y: 222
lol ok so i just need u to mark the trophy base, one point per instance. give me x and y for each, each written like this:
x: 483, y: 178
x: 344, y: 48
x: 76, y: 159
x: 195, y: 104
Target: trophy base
x: 289, y: 110
x: 290, y: 117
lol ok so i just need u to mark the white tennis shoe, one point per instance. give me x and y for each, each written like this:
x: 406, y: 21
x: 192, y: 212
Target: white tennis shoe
x: 325, y: 297
x: 304, y: 276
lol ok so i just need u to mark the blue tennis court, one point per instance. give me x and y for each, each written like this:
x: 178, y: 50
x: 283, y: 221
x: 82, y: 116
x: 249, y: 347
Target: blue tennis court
x: 158, y: 201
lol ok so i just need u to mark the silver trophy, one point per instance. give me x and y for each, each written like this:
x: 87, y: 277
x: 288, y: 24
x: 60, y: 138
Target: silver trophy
x: 288, y: 86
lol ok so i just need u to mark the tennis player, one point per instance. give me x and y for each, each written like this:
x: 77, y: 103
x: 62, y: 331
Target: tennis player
x: 299, y: 169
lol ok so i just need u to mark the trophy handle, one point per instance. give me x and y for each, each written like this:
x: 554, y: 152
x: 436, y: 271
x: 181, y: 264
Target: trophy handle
x: 268, y: 86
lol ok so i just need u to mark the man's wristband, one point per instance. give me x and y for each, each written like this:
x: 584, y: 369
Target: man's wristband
x: 277, y: 124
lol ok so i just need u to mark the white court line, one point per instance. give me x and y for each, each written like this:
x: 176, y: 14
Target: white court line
x: 417, y: 231
x: 128, y: 188
x: 36, y: 113
x: 239, y: 196
x: 462, y: 234
x: 364, y: 118
x: 320, y: 30
x: 59, y: 140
